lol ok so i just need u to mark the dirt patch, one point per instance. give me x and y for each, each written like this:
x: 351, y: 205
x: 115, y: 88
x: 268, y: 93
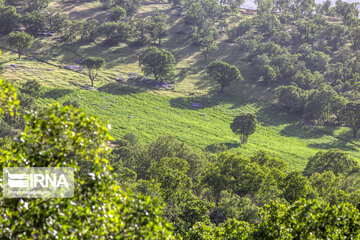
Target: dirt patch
x: 84, y: 11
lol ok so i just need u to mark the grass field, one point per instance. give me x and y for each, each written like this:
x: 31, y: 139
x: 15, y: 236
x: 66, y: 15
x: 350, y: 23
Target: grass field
x: 153, y: 113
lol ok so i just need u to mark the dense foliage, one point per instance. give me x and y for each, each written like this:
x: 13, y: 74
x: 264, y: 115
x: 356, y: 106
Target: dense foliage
x: 64, y: 136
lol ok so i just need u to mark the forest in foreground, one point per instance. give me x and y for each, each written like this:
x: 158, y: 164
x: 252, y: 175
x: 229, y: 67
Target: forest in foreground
x: 183, y: 119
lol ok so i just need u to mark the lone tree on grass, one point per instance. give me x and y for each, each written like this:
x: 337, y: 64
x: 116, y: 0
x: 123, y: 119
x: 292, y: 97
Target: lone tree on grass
x: 351, y: 116
x: 158, y: 62
x: 244, y: 125
x: 93, y: 64
x: 223, y: 73
x: 20, y: 41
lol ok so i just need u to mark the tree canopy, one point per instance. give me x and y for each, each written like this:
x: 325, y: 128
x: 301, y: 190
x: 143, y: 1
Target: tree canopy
x: 223, y: 73
x: 20, y: 41
x: 244, y: 125
x: 159, y: 62
x: 93, y: 65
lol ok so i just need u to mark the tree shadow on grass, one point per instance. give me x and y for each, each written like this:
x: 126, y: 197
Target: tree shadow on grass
x: 347, y: 135
x: 208, y: 101
x: 336, y: 144
x: 56, y: 93
x: 302, y: 131
x: 231, y: 145
x: 98, y: 13
x: 118, y: 89
x: 270, y: 115
x: 122, y: 54
x: 221, y: 147
x: 186, y: 102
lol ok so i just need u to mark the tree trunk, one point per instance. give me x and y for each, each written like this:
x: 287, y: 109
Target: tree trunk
x: 19, y: 54
x: 244, y: 139
x: 92, y: 77
x: 355, y: 131
x: 222, y: 88
x: 205, y: 56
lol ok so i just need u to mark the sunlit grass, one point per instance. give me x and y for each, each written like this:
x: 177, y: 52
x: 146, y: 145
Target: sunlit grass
x: 150, y: 115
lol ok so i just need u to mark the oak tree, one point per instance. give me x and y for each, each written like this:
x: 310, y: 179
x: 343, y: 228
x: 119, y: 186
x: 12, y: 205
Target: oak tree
x: 159, y: 62
x: 223, y: 73
x: 20, y: 41
x: 93, y: 65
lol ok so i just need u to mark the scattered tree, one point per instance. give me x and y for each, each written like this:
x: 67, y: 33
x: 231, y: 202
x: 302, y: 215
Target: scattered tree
x: 269, y: 74
x: 244, y: 125
x: 351, y: 117
x: 223, y: 73
x: 198, y: 12
x: 208, y: 47
x: 9, y: 19
x: 130, y: 6
x: 34, y: 22
x: 158, y: 62
x: 117, y: 13
x: 72, y: 29
x: 88, y: 32
x: 109, y: 29
x: 158, y: 27
x: 141, y: 31
x: 34, y: 5
x: 291, y: 98
x: 55, y: 19
x: 115, y: 32
x: 20, y: 41
x: 93, y: 65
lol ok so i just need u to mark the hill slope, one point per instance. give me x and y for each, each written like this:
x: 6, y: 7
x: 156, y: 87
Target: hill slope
x: 150, y: 113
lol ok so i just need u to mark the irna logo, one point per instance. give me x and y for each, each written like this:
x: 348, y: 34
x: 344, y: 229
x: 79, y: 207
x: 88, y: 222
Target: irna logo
x: 38, y: 182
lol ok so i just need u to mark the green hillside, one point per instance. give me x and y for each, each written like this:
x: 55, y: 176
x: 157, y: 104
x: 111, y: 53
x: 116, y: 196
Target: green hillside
x: 150, y: 113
